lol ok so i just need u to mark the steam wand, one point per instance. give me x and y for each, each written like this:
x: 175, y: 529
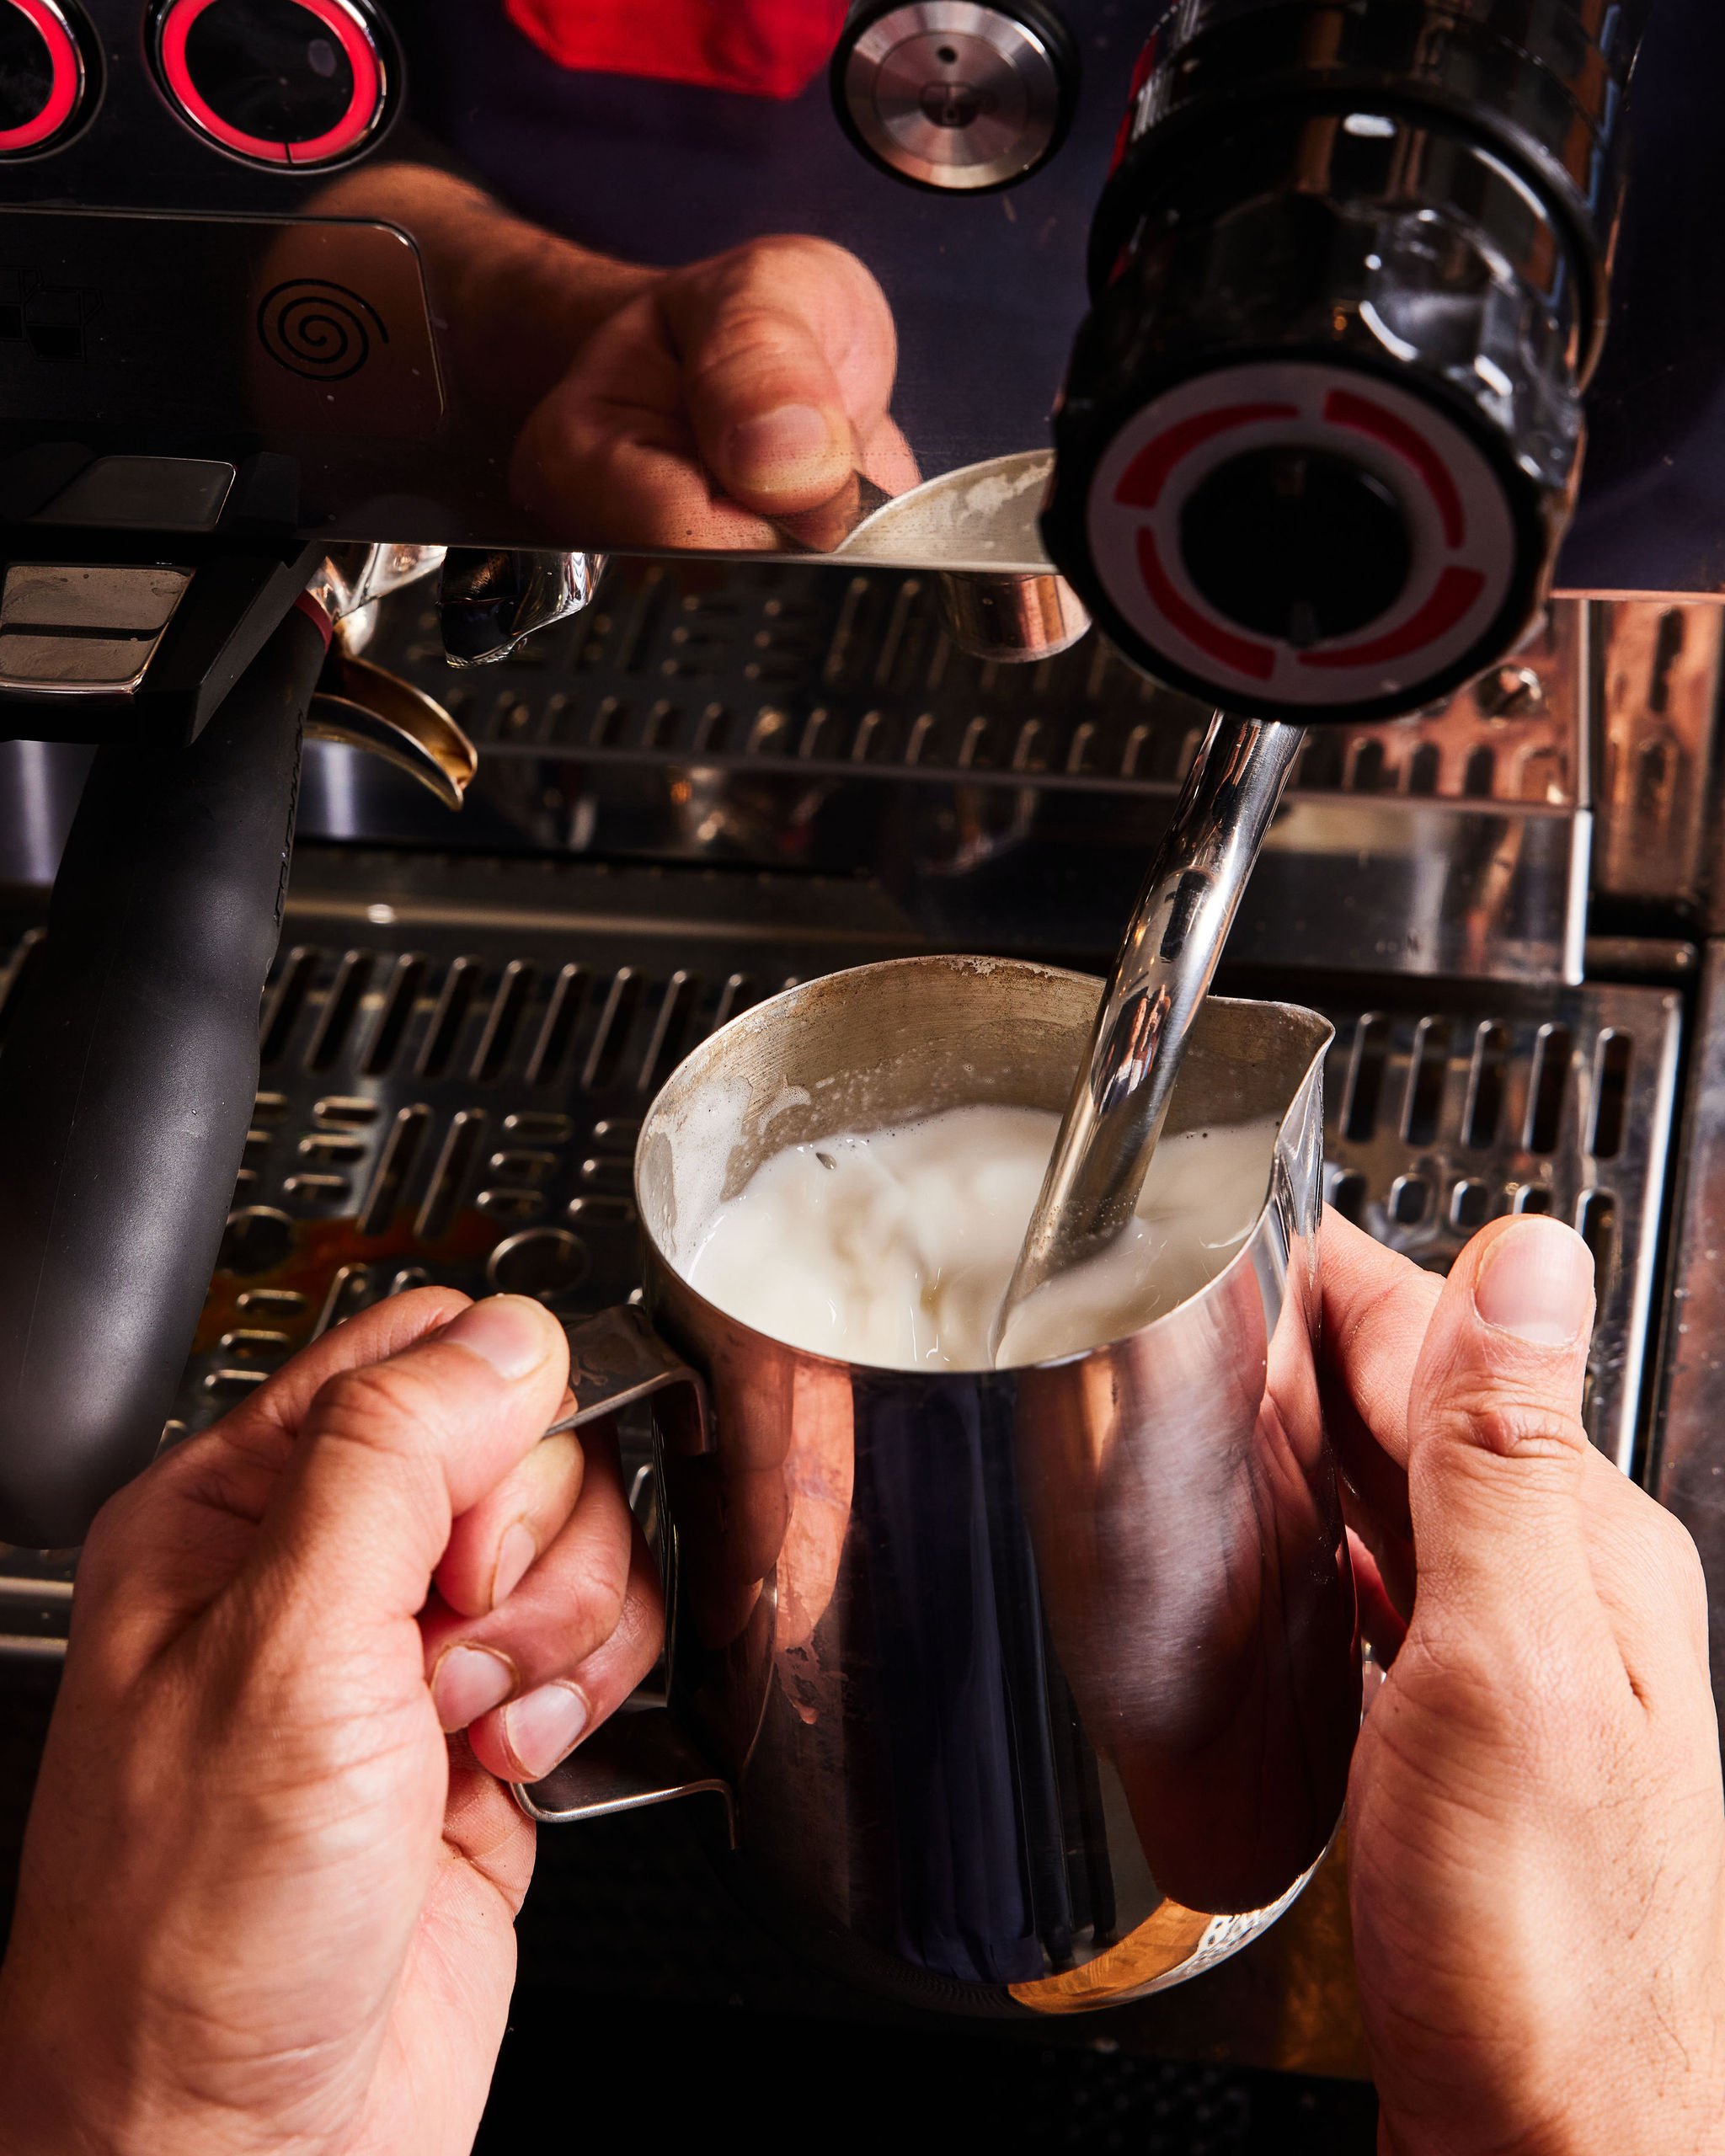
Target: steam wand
x: 1160, y: 979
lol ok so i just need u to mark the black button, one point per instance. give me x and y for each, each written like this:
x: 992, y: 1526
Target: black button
x: 1295, y: 543
x: 270, y: 68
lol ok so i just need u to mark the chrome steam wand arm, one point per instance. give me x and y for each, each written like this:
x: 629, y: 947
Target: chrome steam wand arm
x: 1160, y: 978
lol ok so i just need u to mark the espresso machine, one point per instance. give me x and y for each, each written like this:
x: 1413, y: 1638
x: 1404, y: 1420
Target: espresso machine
x: 1350, y: 363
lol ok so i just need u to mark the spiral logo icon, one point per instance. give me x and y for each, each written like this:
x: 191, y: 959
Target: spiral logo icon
x: 317, y: 329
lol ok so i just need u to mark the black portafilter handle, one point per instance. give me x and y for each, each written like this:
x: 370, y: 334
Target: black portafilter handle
x: 1321, y: 430
x: 127, y: 1081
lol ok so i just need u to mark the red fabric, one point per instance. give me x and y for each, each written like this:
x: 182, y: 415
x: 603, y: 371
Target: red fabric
x: 766, y: 48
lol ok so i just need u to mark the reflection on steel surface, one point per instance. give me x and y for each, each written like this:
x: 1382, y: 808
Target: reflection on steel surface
x: 1016, y: 620
x: 350, y: 579
x: 1660, y: 694
x: 985, y: 302
x: 758, y: 666
x: 84, y: 628
x: 362, y: 707
x: 1689, y: 1470
x: 770, y: 716
x: 488, y: 604
x: 952, y: 95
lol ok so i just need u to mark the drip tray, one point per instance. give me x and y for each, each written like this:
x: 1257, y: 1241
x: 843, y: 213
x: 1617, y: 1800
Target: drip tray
x: 457, y: 1057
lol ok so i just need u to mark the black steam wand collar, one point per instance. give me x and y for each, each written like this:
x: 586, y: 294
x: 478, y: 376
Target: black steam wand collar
x: 1321, y: 430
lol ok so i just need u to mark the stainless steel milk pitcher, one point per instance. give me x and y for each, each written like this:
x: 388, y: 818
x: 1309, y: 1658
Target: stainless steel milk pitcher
x: 1027, y: 1688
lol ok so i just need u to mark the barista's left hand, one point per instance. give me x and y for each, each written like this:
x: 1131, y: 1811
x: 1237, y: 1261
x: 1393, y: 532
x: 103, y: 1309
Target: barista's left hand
x: 267, y: 1904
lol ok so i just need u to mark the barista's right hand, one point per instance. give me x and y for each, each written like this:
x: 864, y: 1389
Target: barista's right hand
x: 724, y: 405
x: 1537, y: 1843
x: 729, y: 403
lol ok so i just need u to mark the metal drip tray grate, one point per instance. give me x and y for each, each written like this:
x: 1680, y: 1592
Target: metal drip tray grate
x: 1441, y: 1114
x: 453, y: 1093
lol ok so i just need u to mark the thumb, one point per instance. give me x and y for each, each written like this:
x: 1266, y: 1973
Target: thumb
x: 391, y: 1453
x: 1496, y: 1450
x: 768, y: 412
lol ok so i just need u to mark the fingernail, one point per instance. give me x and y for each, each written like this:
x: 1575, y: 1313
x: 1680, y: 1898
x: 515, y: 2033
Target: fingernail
x: 543, y: 1726
x: 467, y: 1683
x: 1537, y: 1282
x: 508, y: 1332
x: 780, y: 450
x: 514, y: 1553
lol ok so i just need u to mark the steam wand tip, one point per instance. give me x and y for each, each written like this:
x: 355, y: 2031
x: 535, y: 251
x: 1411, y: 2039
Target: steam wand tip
x: 1161, y: 975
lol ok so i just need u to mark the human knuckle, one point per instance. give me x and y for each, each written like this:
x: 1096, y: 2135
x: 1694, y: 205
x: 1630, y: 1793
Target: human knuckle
x: 1365, y: 1314
x: 749, y: 335
x: 1673, y: 1538
x: 766, y: 259
x: 640, y: 1625
x: 1657, y: 1542
x: 1512, y: 1701
x: 119, y: 1517
x: 598, y: 1601
x: 1501, y: 1419
x: 105, y: 1561
x: 374, y: 1402
x: 1678, y: 1559
x: 1457, y: 1663
x: 419, y: 1309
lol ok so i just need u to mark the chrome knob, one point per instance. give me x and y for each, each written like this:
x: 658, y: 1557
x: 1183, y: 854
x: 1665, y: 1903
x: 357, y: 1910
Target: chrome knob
x: 953, y: 94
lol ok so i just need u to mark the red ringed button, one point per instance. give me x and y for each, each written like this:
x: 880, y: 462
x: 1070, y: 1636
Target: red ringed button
x: 67, y: 83
x: 358, y: 47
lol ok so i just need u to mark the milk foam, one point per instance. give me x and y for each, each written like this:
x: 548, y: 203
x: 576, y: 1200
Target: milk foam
x: 895, y: 1247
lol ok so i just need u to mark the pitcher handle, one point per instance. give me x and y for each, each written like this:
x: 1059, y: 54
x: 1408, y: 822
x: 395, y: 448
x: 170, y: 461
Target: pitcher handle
x: 642, y: 1755
x: 617, y: 1359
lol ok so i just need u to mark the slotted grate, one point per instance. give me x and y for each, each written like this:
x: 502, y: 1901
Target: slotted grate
x: 468, y: 1117
x: 1442, y: 1115
x: 454, y: 1096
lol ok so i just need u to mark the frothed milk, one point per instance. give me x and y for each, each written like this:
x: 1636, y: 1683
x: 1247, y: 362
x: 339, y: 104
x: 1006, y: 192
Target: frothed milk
x: 895, y: 1247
